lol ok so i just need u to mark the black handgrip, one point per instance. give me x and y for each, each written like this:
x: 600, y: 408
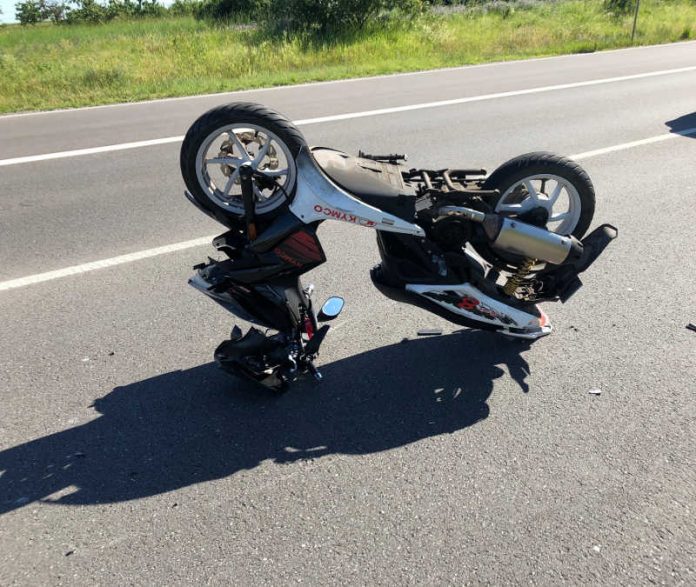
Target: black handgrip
x: 246, y: 173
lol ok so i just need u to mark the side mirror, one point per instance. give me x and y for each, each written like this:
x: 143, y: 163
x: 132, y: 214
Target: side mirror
x: 331, y: 309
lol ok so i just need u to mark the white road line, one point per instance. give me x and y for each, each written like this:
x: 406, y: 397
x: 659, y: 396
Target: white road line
x: 632, y: 144
x: 355, y: 79
x: 104, y: 263
x: 206, y: 240
x: 352, y: 115
x: 90, y: 151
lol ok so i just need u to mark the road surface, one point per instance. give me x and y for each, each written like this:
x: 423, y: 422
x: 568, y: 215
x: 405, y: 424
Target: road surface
x: 126, y: 457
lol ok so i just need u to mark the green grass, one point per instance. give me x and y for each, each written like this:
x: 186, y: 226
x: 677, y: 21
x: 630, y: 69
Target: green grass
x: 48, y: 66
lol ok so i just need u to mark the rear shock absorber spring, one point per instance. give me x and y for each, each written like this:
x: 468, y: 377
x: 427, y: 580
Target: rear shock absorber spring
x: 518, y: 278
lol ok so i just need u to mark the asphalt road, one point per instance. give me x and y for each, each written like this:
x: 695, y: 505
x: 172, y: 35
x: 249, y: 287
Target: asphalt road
x: 126, y: 457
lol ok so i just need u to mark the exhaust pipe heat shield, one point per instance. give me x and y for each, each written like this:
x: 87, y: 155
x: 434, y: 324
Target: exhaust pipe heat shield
x: 512, y: 236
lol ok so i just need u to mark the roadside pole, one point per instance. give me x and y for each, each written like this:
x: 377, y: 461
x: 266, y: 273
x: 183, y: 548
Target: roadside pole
x: 635, y: 20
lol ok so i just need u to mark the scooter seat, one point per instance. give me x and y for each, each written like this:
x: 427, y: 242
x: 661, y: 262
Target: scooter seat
x: 376, y: 183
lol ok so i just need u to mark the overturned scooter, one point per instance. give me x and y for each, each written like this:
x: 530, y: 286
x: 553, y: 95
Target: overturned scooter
x: 479, y: 250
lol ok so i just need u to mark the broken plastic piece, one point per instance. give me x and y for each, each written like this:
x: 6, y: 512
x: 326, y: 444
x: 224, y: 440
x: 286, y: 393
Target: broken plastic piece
x: 430, y: 332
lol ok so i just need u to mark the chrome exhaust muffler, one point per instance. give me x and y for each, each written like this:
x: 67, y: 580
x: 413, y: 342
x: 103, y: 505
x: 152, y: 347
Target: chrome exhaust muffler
x: 510, y: 235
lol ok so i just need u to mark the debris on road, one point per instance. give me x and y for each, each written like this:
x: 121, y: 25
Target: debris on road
x: 430, y: 332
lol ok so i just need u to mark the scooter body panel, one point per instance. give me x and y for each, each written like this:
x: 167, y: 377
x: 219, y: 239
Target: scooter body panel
x: 318, y: 198
x: 469, y: 302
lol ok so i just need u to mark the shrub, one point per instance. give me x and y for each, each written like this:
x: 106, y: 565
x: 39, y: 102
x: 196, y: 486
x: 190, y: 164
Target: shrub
x: 327, y: 16
x: 619, y: 7
x: 147, y: 8
x: 89, y: 11
x: 185, y: 7
x: 225, y: 10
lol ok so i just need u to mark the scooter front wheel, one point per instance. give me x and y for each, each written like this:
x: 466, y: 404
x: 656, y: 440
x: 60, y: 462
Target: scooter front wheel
x: 224, y: 138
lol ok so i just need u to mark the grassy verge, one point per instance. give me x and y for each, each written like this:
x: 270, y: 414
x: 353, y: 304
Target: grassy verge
x: 47, y: 67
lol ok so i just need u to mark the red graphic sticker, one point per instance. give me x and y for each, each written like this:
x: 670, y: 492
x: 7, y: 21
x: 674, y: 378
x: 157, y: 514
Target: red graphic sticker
x: 467, y: 303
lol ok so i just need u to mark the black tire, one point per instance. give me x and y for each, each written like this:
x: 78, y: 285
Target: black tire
x: 540, y: 163
x: 218, y: 118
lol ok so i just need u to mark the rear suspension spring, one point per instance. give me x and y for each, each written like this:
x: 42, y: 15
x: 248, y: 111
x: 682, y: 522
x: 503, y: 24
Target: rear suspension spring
x: 519, y: 277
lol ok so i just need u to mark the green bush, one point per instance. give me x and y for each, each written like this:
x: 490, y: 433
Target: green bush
x: 225, y: 10
x: 89, y: 11
x: 619, y: 7
x: 185, y: 7
x: 329, y: 16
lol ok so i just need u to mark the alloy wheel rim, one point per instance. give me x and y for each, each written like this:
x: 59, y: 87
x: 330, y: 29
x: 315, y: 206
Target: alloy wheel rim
x: 226, y: 148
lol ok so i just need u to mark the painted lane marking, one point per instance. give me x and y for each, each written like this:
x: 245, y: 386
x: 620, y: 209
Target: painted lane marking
x: 632, y: 144
x: 90, y: 151
x: 353, y: 115
x: 146, y: 254
x: 104, y: 263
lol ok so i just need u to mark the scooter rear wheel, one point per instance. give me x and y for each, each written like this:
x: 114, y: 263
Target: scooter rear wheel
x: 541, y: 181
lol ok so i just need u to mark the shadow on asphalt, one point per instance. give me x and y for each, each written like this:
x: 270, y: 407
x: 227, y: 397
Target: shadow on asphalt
x: 684, y: 125
x: 191, y: 426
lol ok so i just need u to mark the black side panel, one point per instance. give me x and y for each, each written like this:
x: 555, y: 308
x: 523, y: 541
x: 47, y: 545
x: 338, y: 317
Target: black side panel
x: 263, y: 304
x: 291, y: 255
x: 409, y: 259
x: 271, y: 301
x: 280, y: 228
x: 262, y: 288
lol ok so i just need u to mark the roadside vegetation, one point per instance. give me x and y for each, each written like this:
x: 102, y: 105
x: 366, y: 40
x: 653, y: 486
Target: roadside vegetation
x: 135, y: 51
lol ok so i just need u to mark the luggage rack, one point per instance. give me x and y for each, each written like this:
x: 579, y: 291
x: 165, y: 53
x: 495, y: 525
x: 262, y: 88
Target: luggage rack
x: 438, y: 182
x: 466, y: 182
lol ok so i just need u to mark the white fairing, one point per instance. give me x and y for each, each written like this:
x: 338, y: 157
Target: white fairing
x: 318, y: 198
x: 468, y: 301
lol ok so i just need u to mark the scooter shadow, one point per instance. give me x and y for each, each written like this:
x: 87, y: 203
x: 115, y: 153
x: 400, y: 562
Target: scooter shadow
x: 191, y: 426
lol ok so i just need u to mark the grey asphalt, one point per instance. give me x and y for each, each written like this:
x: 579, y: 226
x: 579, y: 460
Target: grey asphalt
x: 126, y: 457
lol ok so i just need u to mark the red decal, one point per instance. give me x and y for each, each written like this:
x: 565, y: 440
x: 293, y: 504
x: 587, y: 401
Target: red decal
x: 287, y: 258
x: 308, y: 328
x: 467, y: 303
